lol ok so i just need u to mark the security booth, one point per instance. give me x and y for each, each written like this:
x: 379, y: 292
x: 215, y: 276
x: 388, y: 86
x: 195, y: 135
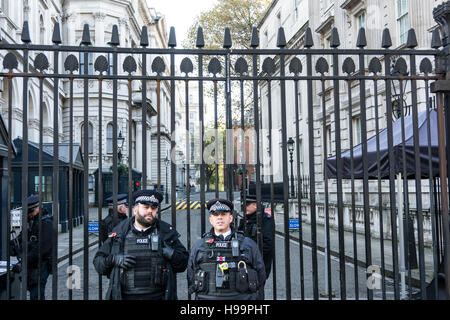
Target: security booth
x: 47, y: 177
x: 107, y: 183
x: 4, y: 185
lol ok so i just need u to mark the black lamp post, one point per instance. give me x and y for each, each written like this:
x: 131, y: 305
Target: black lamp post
x: 183, y: 171
x: 290, y: 144
x: 166, y: 162
x: 120, y: 141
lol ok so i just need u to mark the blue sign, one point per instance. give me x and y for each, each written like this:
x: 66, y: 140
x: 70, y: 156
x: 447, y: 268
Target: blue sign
x: 93, y: 226
x: 294, y: 224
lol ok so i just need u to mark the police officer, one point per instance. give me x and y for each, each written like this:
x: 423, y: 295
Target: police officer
x: 249, y: 226
x: 34, y: 240
x: 224, y: 264
x: 106, y: 225
x: 142, y: 254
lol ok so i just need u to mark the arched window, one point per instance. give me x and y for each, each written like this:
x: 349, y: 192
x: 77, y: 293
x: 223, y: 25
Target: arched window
x: 90, y: 138
x: 109, y: 138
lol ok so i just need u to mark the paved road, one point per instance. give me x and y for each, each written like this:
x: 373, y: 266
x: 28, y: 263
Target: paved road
x: 195, y: 233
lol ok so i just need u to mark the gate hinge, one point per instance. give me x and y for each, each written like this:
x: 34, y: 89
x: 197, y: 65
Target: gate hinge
x: 440, y: 86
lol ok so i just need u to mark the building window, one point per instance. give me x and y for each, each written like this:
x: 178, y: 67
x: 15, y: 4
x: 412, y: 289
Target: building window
x: 133, y: 143
x: 279, y: 18
x: 295, y: 9
x: 356, y: 124
x: 299, y: 101
x: 47, y: 187
x: 300, y: 148
x: 91, y: 182
x: 111, y: 64
x: 361, y: 19
x: 329, y: 144
x: 90, y: 138
x: 90, y: 63
x: 42, y: 30
x: 4, y: 7
x: 402, y: 20
x: 109, y: 138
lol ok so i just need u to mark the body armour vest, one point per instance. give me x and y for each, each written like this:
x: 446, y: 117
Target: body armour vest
x: 149, y: 275
x: 219, y: 266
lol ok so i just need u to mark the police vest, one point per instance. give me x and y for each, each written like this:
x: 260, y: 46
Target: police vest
x: 218, y: 268
x: 149, y: 275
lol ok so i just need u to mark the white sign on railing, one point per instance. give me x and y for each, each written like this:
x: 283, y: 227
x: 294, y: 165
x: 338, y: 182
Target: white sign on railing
x: 16, y: 218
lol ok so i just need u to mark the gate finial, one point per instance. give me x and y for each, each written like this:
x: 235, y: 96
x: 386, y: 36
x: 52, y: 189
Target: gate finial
x: 309, y: 42
x: 114, y: 36
x: 25, y: 37
x: 56, y: 38
x: 436, y: 41
x: 172, y: 38
x: 144, y: 37
x: 335, y: 42
x: 254, y: 42
x: 386, y: 41
x: 281, y: 39
x: 227, y: 39
x: 86, y: 38
x: 362, y: 41
x: 200, y: 43
x: 411, y: 42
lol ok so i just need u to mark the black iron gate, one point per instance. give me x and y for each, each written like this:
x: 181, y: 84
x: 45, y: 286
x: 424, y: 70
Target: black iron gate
x: 265, y: 68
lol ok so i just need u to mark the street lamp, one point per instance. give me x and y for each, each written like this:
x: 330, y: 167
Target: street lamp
x: 399, y: 102
x: 290, y: 144
x: 120, y: 141
x: 166, y: 161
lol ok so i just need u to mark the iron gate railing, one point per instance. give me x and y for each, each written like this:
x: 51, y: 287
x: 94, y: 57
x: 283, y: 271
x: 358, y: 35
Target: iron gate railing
x: 261, y: 73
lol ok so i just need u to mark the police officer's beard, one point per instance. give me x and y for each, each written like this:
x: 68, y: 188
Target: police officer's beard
x: 143, y: 222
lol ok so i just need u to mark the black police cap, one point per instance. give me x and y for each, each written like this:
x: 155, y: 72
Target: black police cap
x: 250, y: 199
x: 32, y: 202
x: 121, y: 199
x: 148, y: 197
x: 219, y: 205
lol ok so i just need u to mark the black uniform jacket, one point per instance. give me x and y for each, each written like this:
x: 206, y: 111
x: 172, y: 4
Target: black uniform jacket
x: 248, y: 249
x: 34, y: 239
x: 114, y: 245
x: 249, y: 223
x: 106, y: 225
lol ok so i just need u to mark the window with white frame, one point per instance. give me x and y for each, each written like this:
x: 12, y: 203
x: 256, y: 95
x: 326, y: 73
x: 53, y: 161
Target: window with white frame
x: 109, y: 138
x: 90, y: 63
x: 356, y: 126
x: 402, y: 20
x: 361, y: 20
x: 90, y: 138
x: 279, y: 18
x: 329, y: 144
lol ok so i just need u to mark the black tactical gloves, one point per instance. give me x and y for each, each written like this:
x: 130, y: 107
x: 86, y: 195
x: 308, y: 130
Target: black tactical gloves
x: 123, y: 261
x: 167, y: 251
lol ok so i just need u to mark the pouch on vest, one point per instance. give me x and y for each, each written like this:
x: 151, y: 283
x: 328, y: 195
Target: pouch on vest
x: 252, y: 279
x: 201, y: 281
x: 242, y: 278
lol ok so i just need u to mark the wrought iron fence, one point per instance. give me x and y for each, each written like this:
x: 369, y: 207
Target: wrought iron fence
x: 420, y: 159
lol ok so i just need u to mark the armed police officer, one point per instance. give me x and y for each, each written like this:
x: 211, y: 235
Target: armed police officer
x: 249, y: 226
x: 107, y: 224
x: 224, y: 264
x: 142, y: 254
x: 36, y: 239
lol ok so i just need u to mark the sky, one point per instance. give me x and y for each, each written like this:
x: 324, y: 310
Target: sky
x: 180, y: 13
